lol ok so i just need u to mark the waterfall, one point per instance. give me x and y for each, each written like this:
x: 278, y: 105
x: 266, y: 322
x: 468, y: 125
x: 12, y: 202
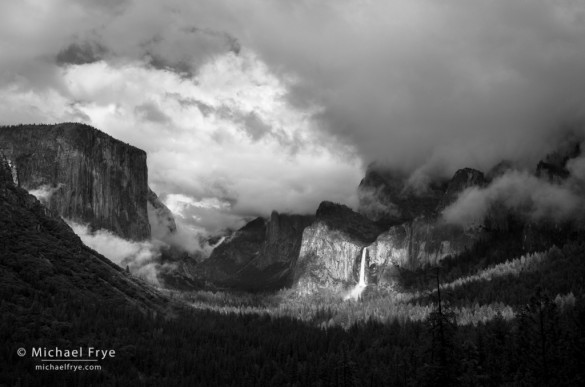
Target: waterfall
x: 363, y: 269
x: 359, y: 288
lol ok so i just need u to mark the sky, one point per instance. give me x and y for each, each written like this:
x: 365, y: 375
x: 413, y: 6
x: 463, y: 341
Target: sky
x: 250, y: 106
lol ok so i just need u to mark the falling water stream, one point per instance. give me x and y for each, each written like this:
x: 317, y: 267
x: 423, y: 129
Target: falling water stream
x: 359, y: 288
x: 363, y: 269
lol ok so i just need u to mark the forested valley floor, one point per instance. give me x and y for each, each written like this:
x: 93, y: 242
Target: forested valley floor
x: 530, y: 333
x: 504, y: 317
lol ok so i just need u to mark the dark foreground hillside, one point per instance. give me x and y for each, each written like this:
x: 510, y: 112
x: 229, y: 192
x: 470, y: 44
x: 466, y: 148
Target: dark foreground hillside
x: 42, y: 259
x: 55, y: 292
x: 249, y: 350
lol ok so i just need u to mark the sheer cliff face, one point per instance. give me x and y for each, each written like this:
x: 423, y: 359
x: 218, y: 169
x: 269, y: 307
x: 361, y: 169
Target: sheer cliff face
x: 261, y: 255
x: 420, y: 242
x: 327, y: 258
x: 331, y: 248
x: 82, y: 174
x: 283, y: 240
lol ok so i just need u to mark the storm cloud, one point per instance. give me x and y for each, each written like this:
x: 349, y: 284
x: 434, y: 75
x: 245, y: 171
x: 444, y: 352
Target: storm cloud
x: 560, y: 199
x: 279, y: 105
x: 521, y: 193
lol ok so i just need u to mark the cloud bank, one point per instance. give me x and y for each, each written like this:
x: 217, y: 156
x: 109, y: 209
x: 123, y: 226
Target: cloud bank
x: 44, y: 192
x: 523, y: 193
x: 256, y: 105
x: 519, y: 192
x: 141, y: 258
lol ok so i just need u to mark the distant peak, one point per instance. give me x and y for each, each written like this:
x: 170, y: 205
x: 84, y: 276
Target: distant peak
x: 462, y: 179
x: 467, y: 174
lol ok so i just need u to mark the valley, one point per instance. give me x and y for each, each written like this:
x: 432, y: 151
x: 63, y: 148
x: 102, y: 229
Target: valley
x: 250, y: 193
x: 497, y: 291
x: 326, y: 299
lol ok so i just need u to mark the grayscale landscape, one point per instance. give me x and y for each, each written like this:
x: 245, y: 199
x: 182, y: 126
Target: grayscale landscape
x: 292, y: 193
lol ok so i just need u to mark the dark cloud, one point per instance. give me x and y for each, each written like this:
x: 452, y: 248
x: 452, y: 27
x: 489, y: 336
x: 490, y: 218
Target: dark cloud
x: 231, y: 42
x: 255, y: 127
x: 77, y: 113
x: 180, y: 67
x: 204, y: 108
x: 432, y: 85
x: 424, y: 86
x: 178, y: 48
x: 81, y: 53
x: 150, y: 112
x: 250, y: 123
x: 115, y: 7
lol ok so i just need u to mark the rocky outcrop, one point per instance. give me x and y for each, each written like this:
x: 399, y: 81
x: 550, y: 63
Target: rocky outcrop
x: 554, y: 166
x: 327, y: 258
x: 259, y: 256
x: 82, y: 174
x: 283, y: 240
x: 463, y: 179
x: 386, y: 197
x: 331, y: 248
x: 343, y: 219
x: 161, y: 219
x: 243, y: 246
x: 500, y: 169
x: 419, y: 243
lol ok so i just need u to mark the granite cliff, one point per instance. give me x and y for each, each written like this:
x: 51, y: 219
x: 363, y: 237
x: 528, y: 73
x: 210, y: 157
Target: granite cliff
x: 331, y: 247
x: 325, y: 250
x: 42, y: 258
x: 82, y: 174
x: 259, y: 256
x: 399, y: 226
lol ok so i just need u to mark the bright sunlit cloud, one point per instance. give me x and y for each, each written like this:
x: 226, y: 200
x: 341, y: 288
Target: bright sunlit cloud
x: 279, y: 105
x: 222, y: 146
